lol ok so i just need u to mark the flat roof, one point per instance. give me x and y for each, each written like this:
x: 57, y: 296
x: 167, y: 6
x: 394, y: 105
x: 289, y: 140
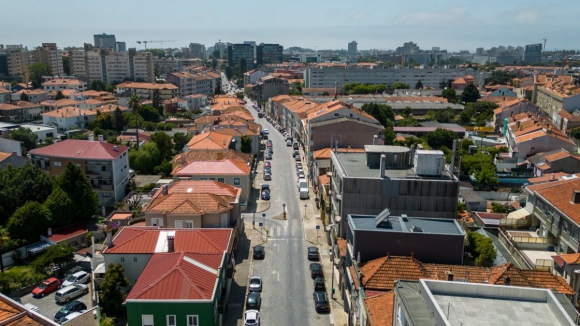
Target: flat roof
x: 458, y: 303
x: 355, y: 166
x: 406, y: 224
x: 38, y: 127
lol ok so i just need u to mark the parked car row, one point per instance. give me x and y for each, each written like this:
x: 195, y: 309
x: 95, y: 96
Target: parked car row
x: 321, y: 303
x: 72, y: 286
x: 254, y: 300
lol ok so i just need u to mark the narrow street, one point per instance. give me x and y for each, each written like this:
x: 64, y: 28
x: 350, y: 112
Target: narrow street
x: 288, y: 287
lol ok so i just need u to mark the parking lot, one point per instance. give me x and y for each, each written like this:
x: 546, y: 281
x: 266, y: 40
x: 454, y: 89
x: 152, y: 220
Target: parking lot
x: 48, y: 307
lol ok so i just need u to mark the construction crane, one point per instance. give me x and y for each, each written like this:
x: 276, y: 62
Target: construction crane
x: 145, y: 42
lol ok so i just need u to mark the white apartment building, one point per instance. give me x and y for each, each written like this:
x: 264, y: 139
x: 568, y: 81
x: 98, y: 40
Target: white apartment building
x: 117, y: 66
x: 110, y: 66
x: 327, y: 75
x: 190, y: 83
x: 18, y: 60
x: 59, y: 84
x: 51, y: 56
x: 77, y: 62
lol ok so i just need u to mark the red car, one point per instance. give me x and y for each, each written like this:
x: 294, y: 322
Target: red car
x: 46, y: 287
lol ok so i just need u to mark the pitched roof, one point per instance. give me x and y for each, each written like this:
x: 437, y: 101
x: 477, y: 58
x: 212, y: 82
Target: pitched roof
x: 194, y: 197
x: 149, y: 240
x: 68, y: 232
x: 73, y: 148
x: 62, y: 81
x: 69, y: 112
x: 571, y: 259
x: 60, y: 103
x: 324, y: 154
x: 378, y: 308
x: 178, y: 276
x: 380, y: 274
x: 147, y: 86
x: 218, y: 167
x: 13, y: 315
x: 209, y: 140
x: 559, y: 194
x: 202, y: 156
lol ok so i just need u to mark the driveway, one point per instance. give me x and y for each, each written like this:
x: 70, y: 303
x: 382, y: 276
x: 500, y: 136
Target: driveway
x: 48, y: 307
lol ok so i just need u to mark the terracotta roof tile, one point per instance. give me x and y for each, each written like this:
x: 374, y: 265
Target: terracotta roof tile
x: 378, y: 308
x: 209, y: 140
x: 73, y: 148
x: 341, y: 244
x: 324, y: 154
x: 221, y: 167
x: 559, y: 195
x: 212, y: 156
x: 571, y: 259
x: 68, y: 231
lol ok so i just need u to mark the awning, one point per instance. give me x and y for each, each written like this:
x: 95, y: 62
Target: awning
x: 38, y: 248
x: 519, y: 214
x: 559, y: 261
x: 101, y: 269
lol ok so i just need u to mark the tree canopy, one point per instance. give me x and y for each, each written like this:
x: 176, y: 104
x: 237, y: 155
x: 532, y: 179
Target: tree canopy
x: 24, y: 97
x: 26, y: 137
x: 145, y: 158
x: 98, y: 85
x: 499, y: 77
x: 419, y: 85
x: 246, y: 146
x: 57, y: 254
x: 73, y: 182
x: 28, y: 220
x: 36, y: 71
x: 398, y: 85
x: 358, y: 88
x: 440, y: 137
x: 58, y: 96
x: 449, y: 94
x: 229, y: 71
x: 164, y: 143
x: 470, y: 94
x: 381, y: 112
x: 482, y: 248
x: 111, y: 297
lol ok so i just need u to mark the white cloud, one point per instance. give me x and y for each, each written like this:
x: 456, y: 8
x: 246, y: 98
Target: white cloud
x: 430, y: 18
x: 361, y: 15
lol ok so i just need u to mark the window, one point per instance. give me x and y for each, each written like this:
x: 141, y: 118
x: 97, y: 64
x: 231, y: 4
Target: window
x: 147, y: 320
x: 106, y: 194
x: 221, y: 179
x: 55, y: 163
x: 192, y: 320
x: 171, y: 320
x: 237, y: 181
x: 134, y: 259
x: 122, y: 259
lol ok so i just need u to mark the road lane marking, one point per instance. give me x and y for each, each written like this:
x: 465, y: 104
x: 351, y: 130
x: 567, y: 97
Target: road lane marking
x: 277, y: 274
x: 277, y: 247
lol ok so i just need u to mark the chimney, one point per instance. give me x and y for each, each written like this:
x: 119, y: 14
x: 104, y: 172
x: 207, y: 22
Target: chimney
x: 553, y: 177
x: 450, y: 275
x: 375, y: 140
x: 512, y: 114
x: 49, y: 232
x: 382, y: 166
x: 170, y: 243
x: 110, y: 238
x: 576, y: 197
x: 91, y: 137
x: 101, y: 139
x: 183, y: 159
x: 507, y: 281
x: 164, y: 190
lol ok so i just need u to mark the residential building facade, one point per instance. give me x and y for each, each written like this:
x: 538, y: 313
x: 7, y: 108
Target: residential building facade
x: 269, y: 53
x: 145, y: 90
x: 51, y: 56
x: 59, y: 84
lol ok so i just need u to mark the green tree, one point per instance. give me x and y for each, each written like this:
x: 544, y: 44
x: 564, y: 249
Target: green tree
x: 76, y: 185
x: 163, y: 142
x: 180, y: 140
x: 24, y: 97
x: 482, y: 248
x: 214, y: 63
x: 499, y: 208
x: 58, y: 254
x: 66, y: 65
x: 449, y: 94
x: 246, y: 144
x: 165, y: 169
x: 398, y: 85
x: 430, y: 116
x: 482, y: 110
x: 26, y: 137
x: 61, y: 208
x: 499, y: 77
x: 111, y: 295
x: 445, y: 116
x: 103, y: 121
x: 382, y: 112
x: 243, y: 65
x: 58, y: 96
x: 486, y: 175
x: 389, y: 134
x: 149, y: 113
x: 408, y: 122
x: 419, y: 84
x: 98, y: 85
x: 440, y: 137
x: 465, y: 116
x: 28, y: 222
x: 470, y: 94
x: 145, y: 159
x: 575, y: 132
x: 407, y: 112
x: 36, y: 71
x: 229, y: 71
x: 156, y: 99
x: 4, y: 240
x: 119, y: 120
x: 48, y: 141
x: 216, y: 54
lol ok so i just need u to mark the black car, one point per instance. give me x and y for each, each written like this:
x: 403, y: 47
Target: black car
x: 254, y: 301
x: 316, y: 270
x: 268, y: 156
x: 319, y: 284
x: 266, y: 195
x: 259, y: 252
x: 71, y: 307
x: 321, y: 301
x: 313, y: 253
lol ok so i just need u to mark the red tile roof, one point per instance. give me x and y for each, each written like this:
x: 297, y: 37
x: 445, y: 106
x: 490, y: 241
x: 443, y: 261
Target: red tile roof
x: 570, y: 259
x: 378, y: 308
x: 178, y: 276
x: 222, y: 167
x: 144, y: 240
x: 68, y: 232
x: 81, y: 149
x: 559, y: 195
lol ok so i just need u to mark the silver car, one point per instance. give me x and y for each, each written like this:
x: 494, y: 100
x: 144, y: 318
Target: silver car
x: 70, y: 292
x: 255, y: 284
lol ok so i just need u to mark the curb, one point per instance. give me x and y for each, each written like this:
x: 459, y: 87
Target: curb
x: 267, y: 208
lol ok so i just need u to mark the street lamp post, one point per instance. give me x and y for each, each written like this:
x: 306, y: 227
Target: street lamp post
x: 284, y: 210
x: 332, y: 260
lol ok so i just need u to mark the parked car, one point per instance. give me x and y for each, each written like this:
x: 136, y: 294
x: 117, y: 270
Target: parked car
x: 299, y: 165
x: 268, y: 169
x: 316, y: 270
x: 70, y: 292
x: 46, y: 287
x: 81, y: 277
x: 265, y: 195
x: 267, y: 164
x: 264, y: 186
x: 253, y: 301
x: 80, y: 269
x: 259, y: 252
x: 299, y: 170
x: 295, y: 153
x: 268, y: 156
x: 288, y: 143
x: 267, y: 176
x: 319, y: 284
x: 301, y: 175
x: 71, y: 316
x: 255, y: 284
x: 74, y: 306
x: 251, y: 318
x: 266, y: 130
x: 297, y: 158
x: 313, y: 253
x: 321, y: 301
x: 265, y: 136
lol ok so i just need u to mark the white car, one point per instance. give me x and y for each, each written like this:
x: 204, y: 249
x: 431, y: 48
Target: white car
x: 266, y: 131
x: 252, y: 318
x: 71, y: 316
x: 255, y: 284
x: 81, y: 277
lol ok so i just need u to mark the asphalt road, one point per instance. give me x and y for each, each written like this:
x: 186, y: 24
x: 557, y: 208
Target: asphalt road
x: 287, y: 286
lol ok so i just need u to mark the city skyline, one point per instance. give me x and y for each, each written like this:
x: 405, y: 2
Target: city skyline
x: 452, y: 25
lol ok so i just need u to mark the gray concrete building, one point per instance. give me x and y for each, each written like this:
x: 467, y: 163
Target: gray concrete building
x: 406, y: 181
x: 105, y: 41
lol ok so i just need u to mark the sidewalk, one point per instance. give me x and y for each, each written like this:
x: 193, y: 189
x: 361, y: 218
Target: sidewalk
x: 311, y: 218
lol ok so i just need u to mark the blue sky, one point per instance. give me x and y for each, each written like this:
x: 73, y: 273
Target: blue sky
x: 379, y: 24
